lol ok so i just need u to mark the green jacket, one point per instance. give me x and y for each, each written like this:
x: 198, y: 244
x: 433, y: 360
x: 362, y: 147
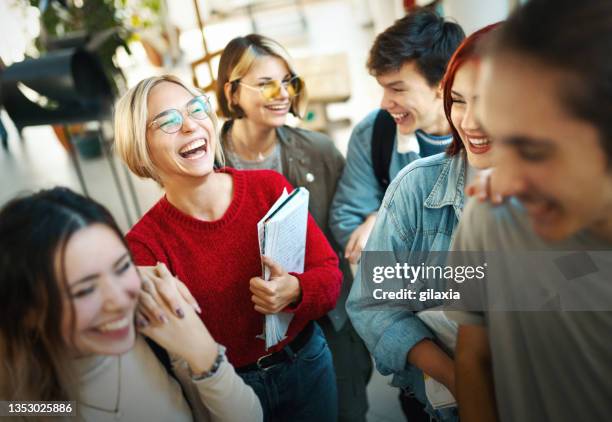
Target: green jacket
x: 311, y: 160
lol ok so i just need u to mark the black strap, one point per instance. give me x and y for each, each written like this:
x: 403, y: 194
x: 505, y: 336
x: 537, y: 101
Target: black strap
x: 383, y: 137
x: 164, y: 358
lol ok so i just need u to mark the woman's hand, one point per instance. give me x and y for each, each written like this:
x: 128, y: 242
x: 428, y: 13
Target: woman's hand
x: 183, y: 335
x: 358, y: 239
x: 169, y: 294
x: 484, y: 188
x: 274, y: 295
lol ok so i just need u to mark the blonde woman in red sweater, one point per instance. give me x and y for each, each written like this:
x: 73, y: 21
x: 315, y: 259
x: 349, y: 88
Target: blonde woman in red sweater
x: 205, y: 230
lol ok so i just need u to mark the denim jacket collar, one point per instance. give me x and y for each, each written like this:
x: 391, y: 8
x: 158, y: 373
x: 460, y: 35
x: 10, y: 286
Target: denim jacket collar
x: 448, y: 189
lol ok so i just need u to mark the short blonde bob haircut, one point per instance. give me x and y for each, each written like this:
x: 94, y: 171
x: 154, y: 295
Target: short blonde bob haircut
x: 236, y: 61
x: 131, y: 122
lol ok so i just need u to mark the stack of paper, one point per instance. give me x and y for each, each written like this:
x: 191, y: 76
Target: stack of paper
x: 282, y: 237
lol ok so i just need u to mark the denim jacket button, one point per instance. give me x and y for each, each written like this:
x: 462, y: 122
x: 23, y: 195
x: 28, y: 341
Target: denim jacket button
x: 310, y: 177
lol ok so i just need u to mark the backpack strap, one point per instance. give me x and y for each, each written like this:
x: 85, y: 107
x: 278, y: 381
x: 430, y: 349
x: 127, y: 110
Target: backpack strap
x: 383, y: 136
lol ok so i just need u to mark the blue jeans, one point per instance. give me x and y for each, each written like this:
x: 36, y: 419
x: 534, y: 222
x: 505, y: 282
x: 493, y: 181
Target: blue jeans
x: 301, y: 389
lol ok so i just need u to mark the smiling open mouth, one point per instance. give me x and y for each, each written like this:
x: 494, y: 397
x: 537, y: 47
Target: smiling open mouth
x: 278, y: 107
x: 400, y: 117
x: 194, y: 149
x: 115, y: 325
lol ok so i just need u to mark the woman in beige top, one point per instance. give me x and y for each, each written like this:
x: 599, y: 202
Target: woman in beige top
x: 68, y: 297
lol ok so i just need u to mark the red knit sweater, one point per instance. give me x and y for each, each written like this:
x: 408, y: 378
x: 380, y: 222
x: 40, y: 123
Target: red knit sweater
x: 216, y: 260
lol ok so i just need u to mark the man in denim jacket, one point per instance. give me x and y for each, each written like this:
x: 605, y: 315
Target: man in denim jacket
x: 408, y: 60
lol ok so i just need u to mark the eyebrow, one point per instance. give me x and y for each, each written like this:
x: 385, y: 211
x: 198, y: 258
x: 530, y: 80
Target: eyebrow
x: 527, y: 141
x: 267, y: 78
x: 91, y: 277
x: 394, y: 84
x: 160, y: 115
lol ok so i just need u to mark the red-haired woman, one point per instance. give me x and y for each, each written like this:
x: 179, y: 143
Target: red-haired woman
x: 419, y: 214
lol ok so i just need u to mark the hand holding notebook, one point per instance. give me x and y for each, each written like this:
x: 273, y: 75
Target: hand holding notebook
x: 282, y: 237
x: 273, y: 295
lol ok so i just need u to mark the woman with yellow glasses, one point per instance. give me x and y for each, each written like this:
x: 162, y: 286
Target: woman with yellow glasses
x: 257, y: 87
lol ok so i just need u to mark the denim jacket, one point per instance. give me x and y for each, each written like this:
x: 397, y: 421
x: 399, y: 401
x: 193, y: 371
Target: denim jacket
x: 419, y: 213
x: 358, y: 193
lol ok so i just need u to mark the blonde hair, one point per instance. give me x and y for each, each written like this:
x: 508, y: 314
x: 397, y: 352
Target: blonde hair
x: 236, y: 61
x: 131, y: 114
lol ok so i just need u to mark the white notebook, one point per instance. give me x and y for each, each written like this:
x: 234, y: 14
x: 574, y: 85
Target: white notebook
x: 446, y: 332
x: 282, y: 237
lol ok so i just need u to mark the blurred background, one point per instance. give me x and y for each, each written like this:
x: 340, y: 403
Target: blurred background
x: 63, y: 63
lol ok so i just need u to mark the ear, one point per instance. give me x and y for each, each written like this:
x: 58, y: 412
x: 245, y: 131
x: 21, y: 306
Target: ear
x: 440, y: 91
x: 232, y: 98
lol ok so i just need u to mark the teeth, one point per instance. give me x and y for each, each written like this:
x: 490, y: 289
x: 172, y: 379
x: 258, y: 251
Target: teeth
x: 278, y: 107
x: 115, y: 325
x: 193, y: 145
x: 398, y: 115
x: 479, y: 142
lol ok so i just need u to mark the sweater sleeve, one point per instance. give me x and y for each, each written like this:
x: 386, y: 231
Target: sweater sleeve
x: 225, y: 396
x: 141, y: 254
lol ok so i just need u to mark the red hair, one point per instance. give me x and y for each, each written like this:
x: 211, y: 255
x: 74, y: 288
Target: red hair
x: 467, y: 51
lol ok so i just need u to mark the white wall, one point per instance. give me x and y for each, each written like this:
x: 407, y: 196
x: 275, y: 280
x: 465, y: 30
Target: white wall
x: 474, y: 14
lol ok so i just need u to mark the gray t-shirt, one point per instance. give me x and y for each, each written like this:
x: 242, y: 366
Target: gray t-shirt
x: 271, y: 162
x: 547, y: 365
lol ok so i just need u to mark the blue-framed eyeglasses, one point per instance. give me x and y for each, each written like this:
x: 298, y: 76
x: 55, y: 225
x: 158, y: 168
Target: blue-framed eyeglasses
x: 171, y: 120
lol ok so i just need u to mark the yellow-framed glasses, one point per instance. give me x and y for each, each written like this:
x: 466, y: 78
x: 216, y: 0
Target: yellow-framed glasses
x: 271, y: 89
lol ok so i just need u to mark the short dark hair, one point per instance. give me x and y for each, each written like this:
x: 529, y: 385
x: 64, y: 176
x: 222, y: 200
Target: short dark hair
x: 34, y: 231
x: 575, y: 38
x: 422, y: 37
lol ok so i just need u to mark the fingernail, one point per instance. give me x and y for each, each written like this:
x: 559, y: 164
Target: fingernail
x: 180, y: 313
x: 197, y: 308
x: 164, y: 319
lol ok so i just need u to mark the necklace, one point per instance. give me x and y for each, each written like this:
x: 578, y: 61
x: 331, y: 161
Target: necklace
x: 260, y: 154
x: 116, y: 412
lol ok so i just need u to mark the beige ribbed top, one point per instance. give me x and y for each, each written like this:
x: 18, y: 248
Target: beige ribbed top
x: 135, y: 387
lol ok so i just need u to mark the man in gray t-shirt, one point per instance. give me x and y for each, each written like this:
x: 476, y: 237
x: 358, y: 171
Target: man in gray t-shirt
x: 545, y: 99
x: 547, y: 366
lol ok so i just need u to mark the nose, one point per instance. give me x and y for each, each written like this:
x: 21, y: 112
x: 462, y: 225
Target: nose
x: 116, y: 296
x: 189, y: 123
x: 510, y: 175
x: 283, y: 91
x: 387, y: 102
x: 469, y: 123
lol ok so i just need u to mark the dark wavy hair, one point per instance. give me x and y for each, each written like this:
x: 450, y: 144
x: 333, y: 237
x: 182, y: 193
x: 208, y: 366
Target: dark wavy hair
x: 34, y: 231
x: 467, y: 51
x: 574, y: 37
x: 422, y: 37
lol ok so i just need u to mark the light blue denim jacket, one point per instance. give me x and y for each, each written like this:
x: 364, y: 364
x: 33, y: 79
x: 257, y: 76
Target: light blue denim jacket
x: 419, y: 213
x: 358, y: 193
